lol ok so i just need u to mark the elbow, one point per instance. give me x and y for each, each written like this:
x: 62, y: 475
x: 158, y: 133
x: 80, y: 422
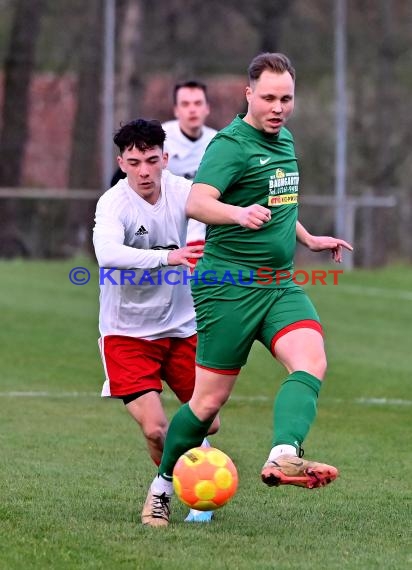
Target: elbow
x: 103, y: 259
x: 190, y: 210
x: 104, y: 256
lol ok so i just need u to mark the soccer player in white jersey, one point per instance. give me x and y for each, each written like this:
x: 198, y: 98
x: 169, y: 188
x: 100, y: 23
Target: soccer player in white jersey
x: 187, y: 136
x: 147, y: 323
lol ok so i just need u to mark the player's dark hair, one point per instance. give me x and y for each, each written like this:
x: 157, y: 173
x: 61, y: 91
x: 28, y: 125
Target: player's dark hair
x: 276, y: 62
x: 190, y: 85
x: 141, y: 134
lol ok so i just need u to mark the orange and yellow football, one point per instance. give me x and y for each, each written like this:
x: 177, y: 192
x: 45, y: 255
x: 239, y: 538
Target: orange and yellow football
x: 205, y: 478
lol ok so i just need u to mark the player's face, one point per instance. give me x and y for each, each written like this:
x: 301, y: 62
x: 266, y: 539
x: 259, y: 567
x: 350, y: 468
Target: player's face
x: 191, y: 109
x: 270, y: 101
x: 144, y: 171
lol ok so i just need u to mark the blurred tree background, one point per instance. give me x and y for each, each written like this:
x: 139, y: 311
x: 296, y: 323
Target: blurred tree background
x: 51, y: 94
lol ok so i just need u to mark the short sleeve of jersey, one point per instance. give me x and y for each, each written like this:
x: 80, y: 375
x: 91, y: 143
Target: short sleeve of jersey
x: 223, y: 163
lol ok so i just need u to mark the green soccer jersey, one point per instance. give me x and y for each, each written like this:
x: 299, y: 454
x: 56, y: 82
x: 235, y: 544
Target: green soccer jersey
x: 248, y: 167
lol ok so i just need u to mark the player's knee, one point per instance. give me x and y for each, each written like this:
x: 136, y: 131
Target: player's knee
x: 206, y: 407
x: 320, y: 366
x: 155, y: 434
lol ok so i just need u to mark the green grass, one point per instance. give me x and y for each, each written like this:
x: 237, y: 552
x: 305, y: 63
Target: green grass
x: 74, y: 469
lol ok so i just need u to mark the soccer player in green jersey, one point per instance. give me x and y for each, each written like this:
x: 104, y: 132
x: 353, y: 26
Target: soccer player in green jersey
x: 247, y: 190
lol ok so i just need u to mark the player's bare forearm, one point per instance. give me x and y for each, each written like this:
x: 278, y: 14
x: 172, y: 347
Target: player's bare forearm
x: 203, y: 204
x: 322, y: 243
x: 302, y: 235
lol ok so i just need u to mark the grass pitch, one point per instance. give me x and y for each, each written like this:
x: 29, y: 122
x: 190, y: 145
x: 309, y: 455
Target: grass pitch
x: 74, y: 470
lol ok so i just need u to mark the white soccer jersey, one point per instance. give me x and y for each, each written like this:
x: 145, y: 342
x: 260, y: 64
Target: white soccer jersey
x: 185, y: 155
x: 130, y: 233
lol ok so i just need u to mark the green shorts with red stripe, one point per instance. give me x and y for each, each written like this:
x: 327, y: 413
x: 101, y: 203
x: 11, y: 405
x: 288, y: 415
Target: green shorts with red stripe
x: 229, y: 318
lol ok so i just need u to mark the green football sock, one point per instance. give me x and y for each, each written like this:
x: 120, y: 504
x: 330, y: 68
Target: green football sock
x: 185, y: 431
x: 295, y: 408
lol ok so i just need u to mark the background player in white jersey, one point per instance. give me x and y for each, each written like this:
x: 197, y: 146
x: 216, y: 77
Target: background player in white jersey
x: 187, y: 136
x: 147, y: 329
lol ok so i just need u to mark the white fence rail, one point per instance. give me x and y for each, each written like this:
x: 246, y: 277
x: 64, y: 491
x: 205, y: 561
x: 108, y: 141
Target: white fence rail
x: 352, y: 204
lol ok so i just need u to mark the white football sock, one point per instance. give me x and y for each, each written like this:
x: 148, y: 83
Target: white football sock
x: 279, y: 450
x: 160, y: 486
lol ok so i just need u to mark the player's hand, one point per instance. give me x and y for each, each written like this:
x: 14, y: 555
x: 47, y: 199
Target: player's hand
x: 335, y: 245
x: 185, y: 255
x: 193, y: 260
x: 253, y: 217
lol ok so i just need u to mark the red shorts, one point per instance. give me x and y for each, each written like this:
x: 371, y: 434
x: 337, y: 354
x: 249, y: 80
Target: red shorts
x: 136, y: 365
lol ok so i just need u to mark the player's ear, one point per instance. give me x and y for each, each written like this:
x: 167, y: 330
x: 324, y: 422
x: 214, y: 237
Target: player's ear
x: 119, y: 159
x: 165, y: 159
x: 248, y: 93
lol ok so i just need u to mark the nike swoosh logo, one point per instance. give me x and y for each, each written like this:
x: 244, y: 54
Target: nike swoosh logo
x: 264, y: 161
